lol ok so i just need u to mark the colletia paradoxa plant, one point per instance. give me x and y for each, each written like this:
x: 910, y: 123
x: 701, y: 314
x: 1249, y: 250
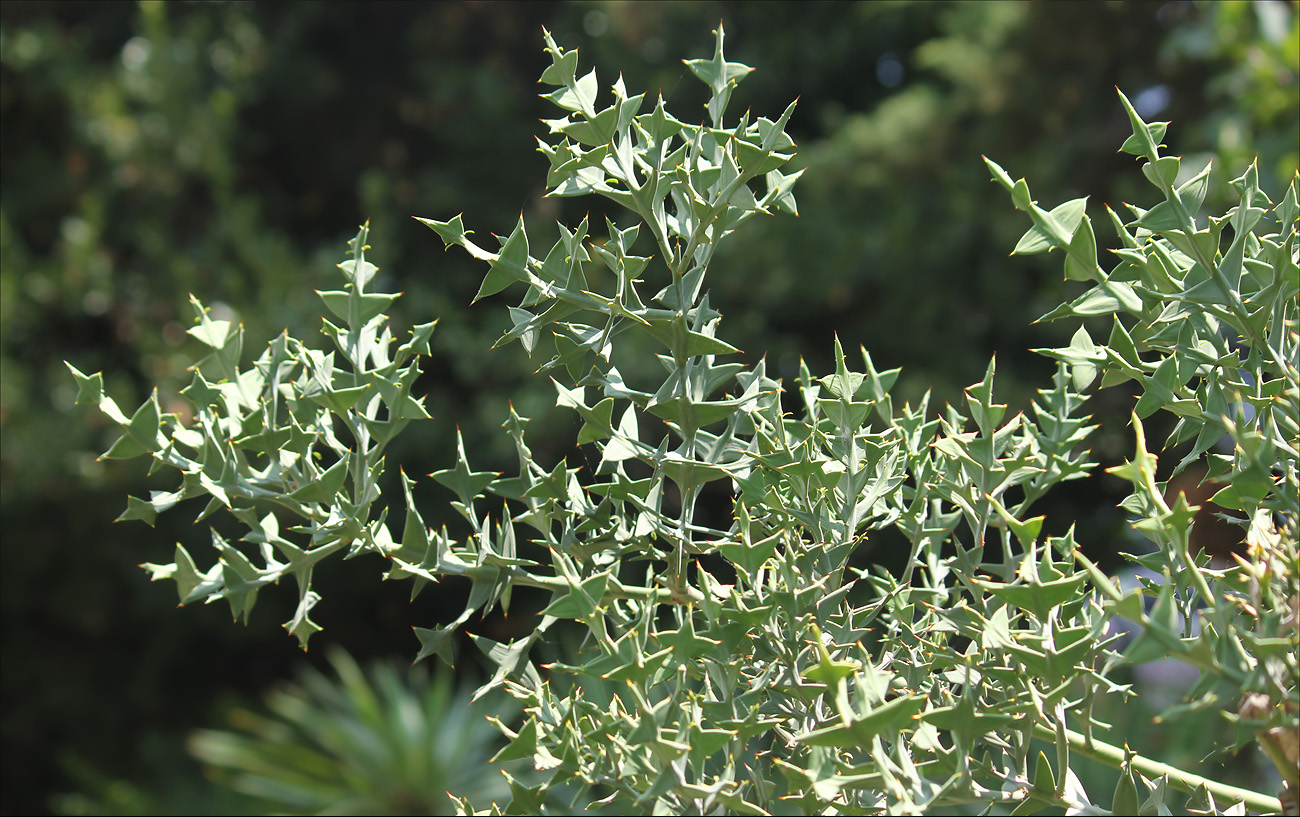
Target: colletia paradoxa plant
x: 749, y: 668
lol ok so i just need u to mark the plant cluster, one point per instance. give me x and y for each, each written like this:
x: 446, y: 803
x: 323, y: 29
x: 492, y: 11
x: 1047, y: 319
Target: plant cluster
x: 381, y: 741
x: 745, y: 665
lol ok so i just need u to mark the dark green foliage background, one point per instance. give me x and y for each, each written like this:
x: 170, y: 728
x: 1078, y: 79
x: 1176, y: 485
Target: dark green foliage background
x: 230, y: 150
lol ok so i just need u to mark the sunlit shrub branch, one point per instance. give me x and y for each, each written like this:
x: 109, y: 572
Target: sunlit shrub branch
x: 749, y: 668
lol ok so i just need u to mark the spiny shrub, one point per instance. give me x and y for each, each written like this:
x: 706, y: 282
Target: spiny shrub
x: 744, y: 666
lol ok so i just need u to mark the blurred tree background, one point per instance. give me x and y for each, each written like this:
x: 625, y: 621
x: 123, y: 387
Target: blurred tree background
x: 227, y: 149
